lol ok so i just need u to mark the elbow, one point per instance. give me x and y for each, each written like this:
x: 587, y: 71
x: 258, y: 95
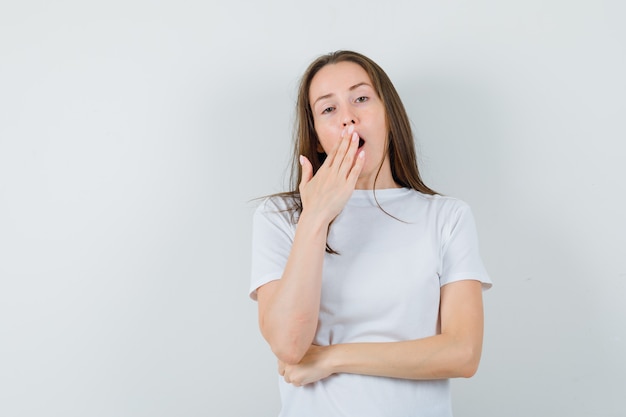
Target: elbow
x: 468, y: 371
x: 289, y: 353
x: 289, y: 346
x: 288, y: 356
x: 468, y: 363
x: 289, y: 349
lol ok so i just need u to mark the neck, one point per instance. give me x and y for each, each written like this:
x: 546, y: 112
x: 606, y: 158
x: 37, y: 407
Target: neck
x: 380, y: 179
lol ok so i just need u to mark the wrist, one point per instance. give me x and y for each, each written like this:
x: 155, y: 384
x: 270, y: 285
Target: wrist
x: 315, y: 220
x: 333, y: 358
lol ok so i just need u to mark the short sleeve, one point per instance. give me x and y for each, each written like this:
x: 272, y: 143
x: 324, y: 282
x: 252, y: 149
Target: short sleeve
x: 272, y: 238
x: 460, y: 254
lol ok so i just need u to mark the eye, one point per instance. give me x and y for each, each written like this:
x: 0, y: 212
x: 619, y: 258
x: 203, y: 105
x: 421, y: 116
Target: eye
x: 361, y: 99
x: 327, y: 110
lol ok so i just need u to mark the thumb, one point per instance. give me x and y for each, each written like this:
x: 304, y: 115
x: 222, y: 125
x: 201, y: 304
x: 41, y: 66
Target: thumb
x: 307, y: 170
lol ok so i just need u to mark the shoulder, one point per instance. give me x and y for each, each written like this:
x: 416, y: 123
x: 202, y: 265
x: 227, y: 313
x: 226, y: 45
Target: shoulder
x: 280, y: 207
x: 277, y: 202
x: 444, y: 213
x: 440, y: 204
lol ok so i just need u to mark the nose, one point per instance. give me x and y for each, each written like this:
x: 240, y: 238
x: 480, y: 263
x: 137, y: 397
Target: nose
x: 348, y: 121
x: 348, y: 115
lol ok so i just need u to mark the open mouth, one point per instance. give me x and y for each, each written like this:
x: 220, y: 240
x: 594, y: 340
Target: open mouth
x: 361, y: 143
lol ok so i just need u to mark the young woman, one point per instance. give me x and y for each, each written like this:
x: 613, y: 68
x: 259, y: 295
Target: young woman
x: 369, y: 284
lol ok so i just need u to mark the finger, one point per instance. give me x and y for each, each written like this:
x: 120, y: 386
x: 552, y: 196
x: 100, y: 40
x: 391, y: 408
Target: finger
x: 348, y: 159
x: 307, y: 170
x: 295, y: 380
x: 340, y: 148
x: 286, y: 377
x: 353, y: 176
x: 281, y: 368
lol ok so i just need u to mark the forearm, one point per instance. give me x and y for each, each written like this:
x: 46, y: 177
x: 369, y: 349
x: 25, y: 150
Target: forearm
x: 436, y: 357
x: 289, y: 307
x: 289, y: 319
x: 453, y: 353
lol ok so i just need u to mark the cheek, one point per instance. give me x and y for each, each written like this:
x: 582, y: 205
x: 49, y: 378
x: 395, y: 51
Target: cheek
x: 324, y: 145
x: 327, y: 139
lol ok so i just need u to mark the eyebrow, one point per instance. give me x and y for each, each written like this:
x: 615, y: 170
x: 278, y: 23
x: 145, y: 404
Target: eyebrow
x: 354, y: 87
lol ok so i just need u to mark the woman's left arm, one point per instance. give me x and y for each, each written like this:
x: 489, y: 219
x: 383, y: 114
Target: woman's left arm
x: 455, y: 352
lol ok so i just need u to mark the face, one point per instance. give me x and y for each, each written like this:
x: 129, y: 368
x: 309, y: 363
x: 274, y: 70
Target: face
x: 341, y: 95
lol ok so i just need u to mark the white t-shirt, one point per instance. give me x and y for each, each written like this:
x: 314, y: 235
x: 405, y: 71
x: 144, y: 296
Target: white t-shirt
x: 384, y: 286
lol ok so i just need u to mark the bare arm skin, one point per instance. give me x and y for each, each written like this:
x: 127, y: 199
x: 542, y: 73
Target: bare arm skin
x: 289, y: 307
x: 453, y: 353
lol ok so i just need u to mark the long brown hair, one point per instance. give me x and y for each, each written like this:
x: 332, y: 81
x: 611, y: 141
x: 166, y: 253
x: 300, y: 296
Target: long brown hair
x: 401, y: 146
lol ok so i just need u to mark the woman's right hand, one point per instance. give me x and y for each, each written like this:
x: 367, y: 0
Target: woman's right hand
x: 289, y: 306
x: 327, y: 192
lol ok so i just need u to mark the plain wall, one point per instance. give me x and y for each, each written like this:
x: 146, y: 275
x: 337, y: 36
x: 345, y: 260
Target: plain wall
x: 134, y: 133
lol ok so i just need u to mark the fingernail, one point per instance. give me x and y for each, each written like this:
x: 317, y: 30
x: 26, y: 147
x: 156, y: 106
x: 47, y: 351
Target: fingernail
x: 351, y: 129
x: 302, y: 159
x: 355, y: 137
x: 343, y: 132
x: 361, y: 154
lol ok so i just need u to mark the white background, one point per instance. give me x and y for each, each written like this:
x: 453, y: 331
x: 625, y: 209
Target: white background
x: 134, y: 133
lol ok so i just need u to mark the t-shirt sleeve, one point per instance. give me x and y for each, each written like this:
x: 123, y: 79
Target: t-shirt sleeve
x: 460, y: 255
x: 272, y: 238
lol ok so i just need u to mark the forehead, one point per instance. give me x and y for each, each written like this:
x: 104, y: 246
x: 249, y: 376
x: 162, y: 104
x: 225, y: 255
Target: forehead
x: 337, y: 78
